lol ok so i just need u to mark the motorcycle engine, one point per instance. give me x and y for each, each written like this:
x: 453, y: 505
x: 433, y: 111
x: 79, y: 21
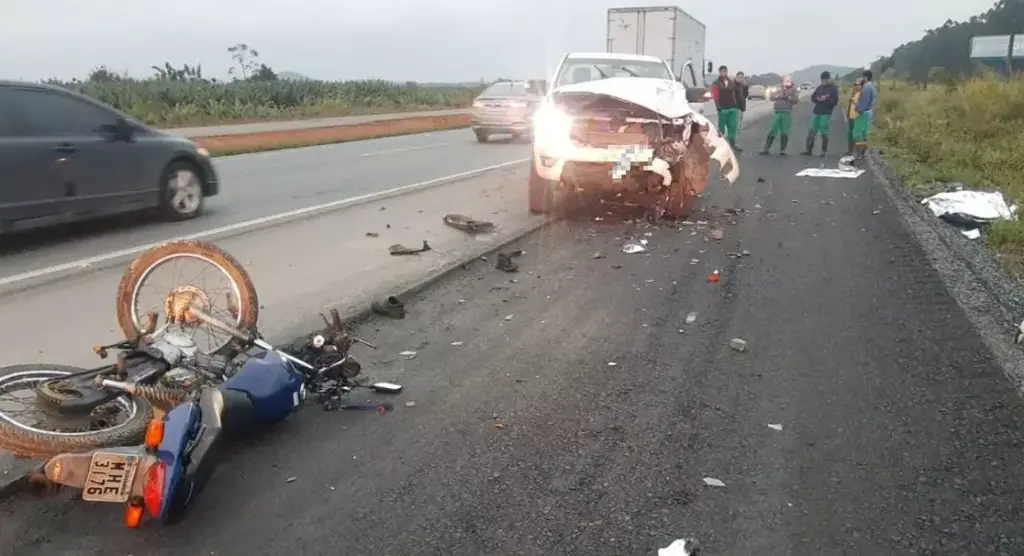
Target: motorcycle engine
x: 179, y: 379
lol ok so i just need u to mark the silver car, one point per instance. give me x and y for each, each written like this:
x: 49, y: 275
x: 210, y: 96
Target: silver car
x: 757, y: 91
x: 506, y: 107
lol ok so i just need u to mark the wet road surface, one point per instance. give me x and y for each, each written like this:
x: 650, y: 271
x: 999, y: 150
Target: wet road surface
x: 899, y: 434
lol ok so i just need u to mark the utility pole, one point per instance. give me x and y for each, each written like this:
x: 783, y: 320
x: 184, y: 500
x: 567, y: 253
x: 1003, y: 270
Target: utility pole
x: 1014, y: 9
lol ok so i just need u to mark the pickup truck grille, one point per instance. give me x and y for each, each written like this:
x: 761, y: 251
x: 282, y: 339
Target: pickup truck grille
x: 597, y: 133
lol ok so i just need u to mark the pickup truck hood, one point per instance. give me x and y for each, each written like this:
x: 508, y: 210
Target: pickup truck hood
x: 660, y: 95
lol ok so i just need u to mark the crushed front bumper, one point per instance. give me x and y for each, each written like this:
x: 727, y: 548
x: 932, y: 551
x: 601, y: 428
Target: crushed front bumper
x: 598, y: 166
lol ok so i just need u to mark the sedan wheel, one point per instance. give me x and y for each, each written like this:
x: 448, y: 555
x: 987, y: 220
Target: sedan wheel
x: 182, y: 192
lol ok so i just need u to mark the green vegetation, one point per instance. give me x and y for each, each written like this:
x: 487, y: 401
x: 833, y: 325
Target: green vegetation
x: 176, y: 97
x: 940, y: 118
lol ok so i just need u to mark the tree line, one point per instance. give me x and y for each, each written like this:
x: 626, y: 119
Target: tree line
x: 944, y: 52
x: 246, y: 67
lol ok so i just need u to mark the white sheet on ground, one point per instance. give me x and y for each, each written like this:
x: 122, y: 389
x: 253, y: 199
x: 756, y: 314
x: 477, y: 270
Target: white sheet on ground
x: 970, y: 206
x: 828, y: 173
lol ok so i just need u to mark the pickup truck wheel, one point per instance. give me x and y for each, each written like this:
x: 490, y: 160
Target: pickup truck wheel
x: 181, y: 191
x: 481, y: 135
x: 544, y: 194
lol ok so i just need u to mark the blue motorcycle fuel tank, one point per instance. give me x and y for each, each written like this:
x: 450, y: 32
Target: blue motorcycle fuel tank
x: 271, y: 383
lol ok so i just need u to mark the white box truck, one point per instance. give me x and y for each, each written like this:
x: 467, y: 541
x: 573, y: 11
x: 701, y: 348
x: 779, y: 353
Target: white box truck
x: 663, y: 31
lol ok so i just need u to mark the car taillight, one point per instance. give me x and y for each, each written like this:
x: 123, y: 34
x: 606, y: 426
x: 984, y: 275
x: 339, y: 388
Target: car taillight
x: 707, y: 95
x: 153, y: 489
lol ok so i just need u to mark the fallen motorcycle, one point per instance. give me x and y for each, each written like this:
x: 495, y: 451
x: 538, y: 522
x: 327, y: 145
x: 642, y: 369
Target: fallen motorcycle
x: 59, y: 409
x: 180, y: 451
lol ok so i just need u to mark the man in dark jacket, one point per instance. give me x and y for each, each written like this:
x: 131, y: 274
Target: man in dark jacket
x: 744, y: 94
x: 825, y: 99
x: 726, y: 93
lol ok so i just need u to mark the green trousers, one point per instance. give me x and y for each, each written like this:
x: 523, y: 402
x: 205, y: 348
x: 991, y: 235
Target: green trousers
x: 782, y: 122
x: 729, y: 123
x: 820, y: 124
x: 861, y: 126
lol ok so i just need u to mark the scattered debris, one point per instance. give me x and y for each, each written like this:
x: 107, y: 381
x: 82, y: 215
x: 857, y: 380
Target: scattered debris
x: 410, y: 404
x: 380, y: 408
x: 372, y: 234
x: 409, y: 354
x: 499, y: 426
x: 716, y: 234
x: 681, y: 547
x: 505, y: 263
x: 761, y: 180
x: 508, y: 317
x: 613, y: 364
x: 399, y: 249
x: 467, y: 224
x: 691, y: 318
x: 841, y: 172
x: 775, y: 427
x: 972, y: 234
x: 738, y: 344
x: 712, y: 482
x: 389, y: 307
x: 714, y: 277
x: 597, y: 255
x: 457, y: 343
x: 632, y: 246
x: 1019, y: 336
x: 291, y: 479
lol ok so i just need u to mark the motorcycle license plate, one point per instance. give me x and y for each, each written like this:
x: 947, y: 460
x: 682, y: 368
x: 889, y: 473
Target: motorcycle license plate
x: 110, y: 477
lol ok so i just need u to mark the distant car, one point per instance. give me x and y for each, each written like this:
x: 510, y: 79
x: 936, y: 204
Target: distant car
x: 806, y: 86
x: 506, y: 107
x: 65, y: 157
x: 757, y: 91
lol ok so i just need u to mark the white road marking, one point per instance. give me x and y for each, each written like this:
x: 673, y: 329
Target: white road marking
x: 403, y: 149
x: 90, y: 261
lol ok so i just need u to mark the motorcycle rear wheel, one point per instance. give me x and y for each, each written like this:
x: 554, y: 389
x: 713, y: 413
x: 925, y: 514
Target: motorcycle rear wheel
x: 242, y: 294
x: 34, y: 441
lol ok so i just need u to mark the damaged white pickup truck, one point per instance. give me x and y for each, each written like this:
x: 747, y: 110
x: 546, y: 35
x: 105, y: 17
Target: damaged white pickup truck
x: 621, y: 123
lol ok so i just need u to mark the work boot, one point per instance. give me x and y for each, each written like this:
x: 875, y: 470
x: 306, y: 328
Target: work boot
x: 768, y: 144
x: 735, y: 148
x: 824, y: 144
x: 810, y: 145
x: 861, y: 150
x: 783, y: 141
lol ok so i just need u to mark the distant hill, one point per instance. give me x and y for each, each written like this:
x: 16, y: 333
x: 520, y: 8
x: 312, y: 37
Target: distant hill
x: 813, y: 73
x: 765, y: 79
x: 292, y: 76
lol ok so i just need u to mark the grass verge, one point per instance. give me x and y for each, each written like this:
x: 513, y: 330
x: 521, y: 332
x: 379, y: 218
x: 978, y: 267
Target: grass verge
x: 970, y: 132
x: 225, y: 145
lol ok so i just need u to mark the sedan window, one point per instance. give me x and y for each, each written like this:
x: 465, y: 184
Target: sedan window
x: 44, y: 113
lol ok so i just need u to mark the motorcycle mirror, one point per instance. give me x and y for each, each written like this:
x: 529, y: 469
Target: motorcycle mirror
x: 386, y: 387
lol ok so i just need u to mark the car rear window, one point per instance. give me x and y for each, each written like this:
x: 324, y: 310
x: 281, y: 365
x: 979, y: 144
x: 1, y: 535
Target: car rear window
x: 506, y: 89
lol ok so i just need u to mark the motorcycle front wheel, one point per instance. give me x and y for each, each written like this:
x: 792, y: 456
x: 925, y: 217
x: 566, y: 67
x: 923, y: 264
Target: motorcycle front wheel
x: 230, y: 296
x: 29, y: 428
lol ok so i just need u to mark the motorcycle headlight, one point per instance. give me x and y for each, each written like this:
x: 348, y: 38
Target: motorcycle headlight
x: 551, y: 126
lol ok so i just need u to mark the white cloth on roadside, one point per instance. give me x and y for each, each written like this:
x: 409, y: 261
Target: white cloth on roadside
x: 970, y: 206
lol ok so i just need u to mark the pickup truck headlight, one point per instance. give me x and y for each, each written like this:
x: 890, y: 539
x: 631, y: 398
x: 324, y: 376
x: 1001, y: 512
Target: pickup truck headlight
x: 551, y: 127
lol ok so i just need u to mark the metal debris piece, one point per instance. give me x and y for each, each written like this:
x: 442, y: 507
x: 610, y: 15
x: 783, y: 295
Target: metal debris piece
x: 716, y: 234
x: 777, y: 427
x: 408, y: 354
x: 410, y: 404
x: 291, y: 479
x: 713, y: 482
x: 390, y: 306
x: 508, y: 317
x: 467, y: 224
x: 457, y: 343
x: 613, y: 364
x: 633, y: 246
x: 761, y: 180
x: 738, y: 344
x: 597, y: 255
x: 505, y: 263
x: 372, y: 234
x: 714, y: 277
x: 399, y: 249
x: 691, y: 318
x: 681, y: 547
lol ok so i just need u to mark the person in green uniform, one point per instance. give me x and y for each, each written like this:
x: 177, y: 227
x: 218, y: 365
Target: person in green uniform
x: 726, y: 93
x: 782, y: 115
x: 863, y: 108
x: 825, y: 99
x: 851, y: 115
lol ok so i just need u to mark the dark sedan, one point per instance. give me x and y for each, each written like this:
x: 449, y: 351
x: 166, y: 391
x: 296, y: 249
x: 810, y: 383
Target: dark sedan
x: 65, y: 157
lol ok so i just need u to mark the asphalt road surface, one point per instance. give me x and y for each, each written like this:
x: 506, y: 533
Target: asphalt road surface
x: 237, y: 129
x: 896, y: 432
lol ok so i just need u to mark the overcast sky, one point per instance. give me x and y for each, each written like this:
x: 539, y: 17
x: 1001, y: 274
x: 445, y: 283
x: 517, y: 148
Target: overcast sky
x: 436, y: 40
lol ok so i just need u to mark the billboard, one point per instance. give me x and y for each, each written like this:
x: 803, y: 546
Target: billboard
x: 990, y: 47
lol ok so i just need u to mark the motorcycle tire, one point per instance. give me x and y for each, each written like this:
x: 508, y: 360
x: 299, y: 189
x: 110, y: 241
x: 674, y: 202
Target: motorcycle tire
x: 248, y: 310
x: 32, y: 442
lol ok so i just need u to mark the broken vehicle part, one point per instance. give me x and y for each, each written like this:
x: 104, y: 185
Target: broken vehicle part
x: 505, y: 263
x: 389, y: 307
x: 399, y: 249
x: 467, y: 224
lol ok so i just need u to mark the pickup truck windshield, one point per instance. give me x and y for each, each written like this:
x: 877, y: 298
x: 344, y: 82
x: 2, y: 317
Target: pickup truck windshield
x: 581, y: 70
